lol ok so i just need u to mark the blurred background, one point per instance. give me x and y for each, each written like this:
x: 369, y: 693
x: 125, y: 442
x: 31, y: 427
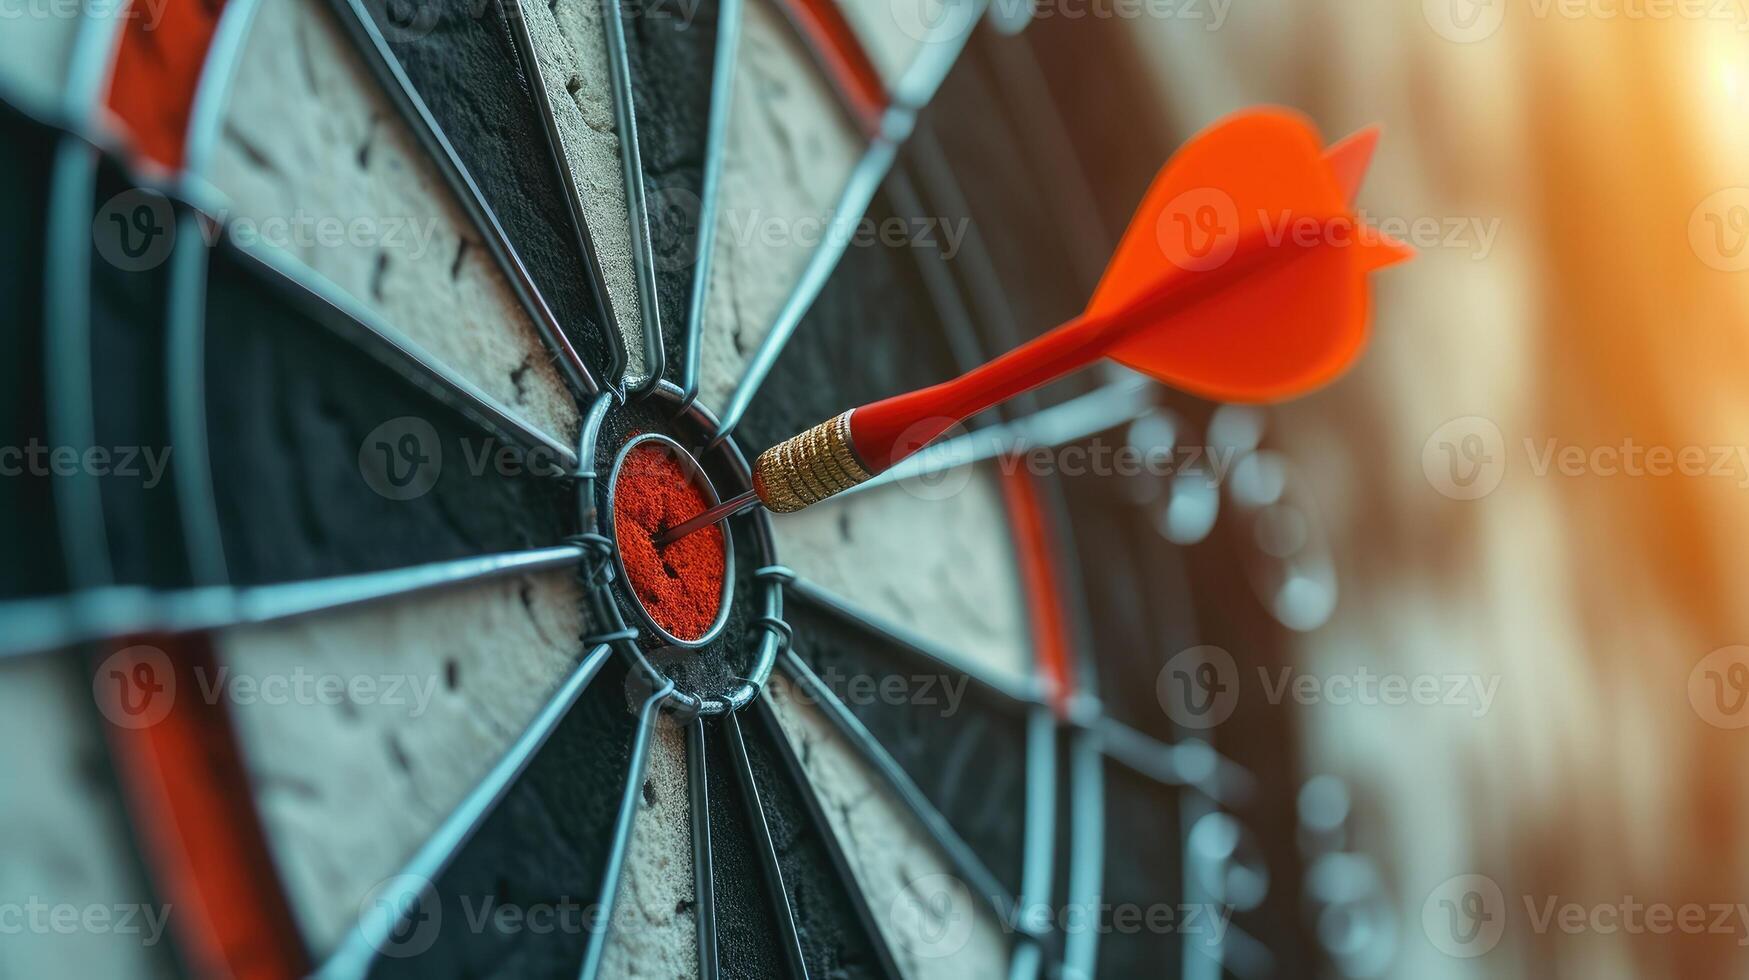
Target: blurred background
x: 1511, y: 483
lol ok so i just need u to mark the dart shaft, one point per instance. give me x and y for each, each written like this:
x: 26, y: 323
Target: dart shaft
x: 887, y: 431
x: 1263, y: 318
x: 723, y: 511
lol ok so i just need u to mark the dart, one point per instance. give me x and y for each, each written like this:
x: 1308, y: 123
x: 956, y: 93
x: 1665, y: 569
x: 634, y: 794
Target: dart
x: 1242, y: 277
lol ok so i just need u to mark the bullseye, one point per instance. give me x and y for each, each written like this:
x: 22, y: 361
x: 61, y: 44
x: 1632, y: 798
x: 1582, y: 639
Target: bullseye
x: 683, y: 587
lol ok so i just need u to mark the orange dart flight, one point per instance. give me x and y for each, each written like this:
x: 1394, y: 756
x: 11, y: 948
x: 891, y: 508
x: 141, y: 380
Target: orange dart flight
x: 1242, y: 277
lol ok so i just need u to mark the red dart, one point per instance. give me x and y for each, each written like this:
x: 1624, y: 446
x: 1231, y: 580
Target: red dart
x: 1241, y: 278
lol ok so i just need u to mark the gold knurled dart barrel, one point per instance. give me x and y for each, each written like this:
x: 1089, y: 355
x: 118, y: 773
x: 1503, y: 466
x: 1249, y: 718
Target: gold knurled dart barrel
x: 807, y: 468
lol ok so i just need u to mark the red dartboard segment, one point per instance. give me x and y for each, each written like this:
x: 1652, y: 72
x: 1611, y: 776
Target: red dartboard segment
x: 1036, y: 556
x: 189, y: 799
x: 834, y: 44
x: 157, y: 69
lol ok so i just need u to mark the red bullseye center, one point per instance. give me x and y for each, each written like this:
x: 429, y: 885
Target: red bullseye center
x: 680, y: 584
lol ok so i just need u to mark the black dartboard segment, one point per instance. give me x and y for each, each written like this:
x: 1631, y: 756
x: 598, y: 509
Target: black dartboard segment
x: 1116, y: 550
x: 27, y: 528
x: 750, y: 945
x: 539, y: 858
x: 130, y: 411
x: 461, y: 59
x: 872, y: 332
x: 300, y: 425
x: 672, y: 49
x: 971, y: 163
x: 966, y: 752
x: 1143, y: 872
x: 975, y: 132
x: 836, y: 930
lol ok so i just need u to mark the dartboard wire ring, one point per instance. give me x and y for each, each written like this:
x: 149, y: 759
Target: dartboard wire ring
x: 596, y: 573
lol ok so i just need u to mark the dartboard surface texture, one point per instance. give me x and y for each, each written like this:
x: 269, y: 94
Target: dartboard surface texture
x: 335, y: 330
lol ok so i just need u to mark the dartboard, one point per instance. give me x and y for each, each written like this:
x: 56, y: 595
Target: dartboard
x: 338, y: 328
